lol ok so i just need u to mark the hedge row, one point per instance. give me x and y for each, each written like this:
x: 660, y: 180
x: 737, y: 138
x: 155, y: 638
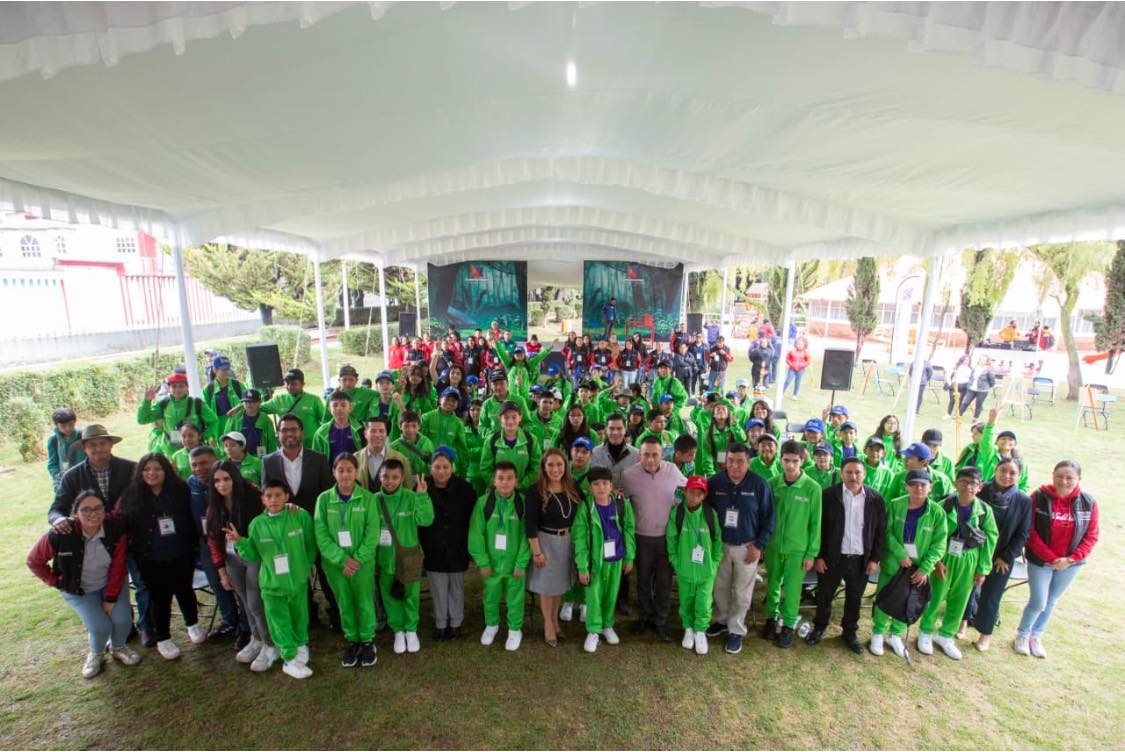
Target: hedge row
x: 362, y: 340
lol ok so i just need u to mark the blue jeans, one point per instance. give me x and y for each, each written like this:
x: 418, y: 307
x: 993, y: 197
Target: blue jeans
x: 794, y: 378
x: 100, y: 628
x: 228, y: 606
x: 139, y: 593
x: 716, y: 380
x: 628, y: 378
x: 1047, y: 585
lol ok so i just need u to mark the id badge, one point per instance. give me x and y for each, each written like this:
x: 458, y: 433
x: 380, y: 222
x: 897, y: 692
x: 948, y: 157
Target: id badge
x: 730, y: 519
x: 697, y: 555
x: 344, y: 538
x: 261, y: 451
x: 721, y: 458
x: 230, y: 549
x: 281, y: 564
x: 385, y: 537
x: 501, y: 542
x: 166, y: 525
x: 912, y: 550
x: 174, y: 437
x: 609, y: 549
x: 64, y: 467
x: 955, y: 547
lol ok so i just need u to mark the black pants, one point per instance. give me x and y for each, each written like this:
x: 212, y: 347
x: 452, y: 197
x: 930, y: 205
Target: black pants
x: 921, y: 395
x: 756, y: 370
x: 654, y: 579
x: 983, y: 608
x: 962, y: 390
x: 969, y: 398
x: 165, y: 580
x: 853, y: 571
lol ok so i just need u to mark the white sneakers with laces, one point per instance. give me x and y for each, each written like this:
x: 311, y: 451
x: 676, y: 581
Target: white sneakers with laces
x: 489, y: 635
x: 412, y: 643
x: 514, y: 640
x: 876, y: 644
x: 591, y: 644
x: 897, y: 645
x: 701, y: 646
x: 168, y: 650
x: 266, y: 657
x: 1036, y: 646
x: 126, y: 655
x: 249, y: 652
x: 196, y: 633
x: 93, y: 665
x: 1022, y: 644
x: 400, y: 643
x: 610, y: 636
x: 566, y: 613
x: 303, y: 654
x: 948, y: 646
x: 926, y: 644
x: 296, y: 669
x: 689, y: 639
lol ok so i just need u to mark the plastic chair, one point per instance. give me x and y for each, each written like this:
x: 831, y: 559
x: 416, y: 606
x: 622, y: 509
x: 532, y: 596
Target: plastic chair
x: 937, y: 384
x: 871, y: 377
x: 1102, y: 400
x: 1042, y: 387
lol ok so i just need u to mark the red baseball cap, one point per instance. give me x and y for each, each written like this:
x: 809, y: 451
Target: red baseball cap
x: 696, y: 481
x: 177, y: 378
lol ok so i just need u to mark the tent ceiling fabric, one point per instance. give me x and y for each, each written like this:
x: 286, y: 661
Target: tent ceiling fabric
x: 702, y: 134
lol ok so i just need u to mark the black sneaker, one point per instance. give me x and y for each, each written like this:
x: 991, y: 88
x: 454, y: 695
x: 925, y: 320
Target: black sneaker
x: 785, y: 639
x: 367, y: 655
x: 453, y: 633
x: 716, y: 629
x: 222, y: 631
x: 853, y: 643
x: 662, y: 633
x: 769, y: 631
x: 639, y: 627
x: 814, y: 637
x: 351, y: 655
x: 242, y: 640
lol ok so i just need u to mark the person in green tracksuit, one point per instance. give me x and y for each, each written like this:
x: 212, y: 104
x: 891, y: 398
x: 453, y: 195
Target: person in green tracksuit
x: 656, y: 427
x: 347, y: 521
x: 501, y: 395
x: 917, y: 457
x: 823, y: 471
x: 968, y: 560
x: 249, y: 466
x: 306, y: 406
x: 765, y: 463
x: 474, y: 440
x: 580, y: 452
x: 361, y: 397
x: 547, y: 422
x: 971, y: 453
x: 512, y: 443
x: 499, y: 546
x: 877, y: 475
x: 223, y: 393
x: 992, y: 451
x: 916, y: 535
x: 843, y: 443
x: 695, y: 547
x: 519, y: 362
x: 417, y: 393
x: 719, y: 433
x: 406, y: 510
x: 411, y: 444
x: 932, y: 437
x: 794, y: 544
x: 666, y: 383
x: 190, y: 437
x: 344, y: 433
x: 586, y: 400
x: 173, y: 410
x: 251, y: 422
x: 605, y: 544
x: 673, y: 421
x: 282, y: 539
x: 442, y: 426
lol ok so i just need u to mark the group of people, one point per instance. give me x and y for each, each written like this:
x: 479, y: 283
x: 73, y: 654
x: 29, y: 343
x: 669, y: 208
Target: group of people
x: 575, y: 490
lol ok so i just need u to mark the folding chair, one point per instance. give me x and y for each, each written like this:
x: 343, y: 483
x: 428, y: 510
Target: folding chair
x: 937, y: 384
x: 1042, y: 387
x: 1102, y: 400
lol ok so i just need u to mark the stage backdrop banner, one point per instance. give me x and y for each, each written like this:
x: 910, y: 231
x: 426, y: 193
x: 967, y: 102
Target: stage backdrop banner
x: 648, y: 297
x: 471, y: 295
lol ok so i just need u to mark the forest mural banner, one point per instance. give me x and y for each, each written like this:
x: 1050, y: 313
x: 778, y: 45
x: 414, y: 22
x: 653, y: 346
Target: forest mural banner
x: 471, y: 295
x: 648, y: 297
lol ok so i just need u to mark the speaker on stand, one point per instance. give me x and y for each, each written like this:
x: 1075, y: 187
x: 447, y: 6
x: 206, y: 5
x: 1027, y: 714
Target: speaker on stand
x: 264, y: 362
x: 839, y: 365
x: 408, y: 324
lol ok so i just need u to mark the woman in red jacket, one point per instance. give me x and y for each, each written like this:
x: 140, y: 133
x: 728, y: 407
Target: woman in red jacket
x: 88, y: 566
x: 1064, y: 529
x: 796, y: 360
x: 395, y: 354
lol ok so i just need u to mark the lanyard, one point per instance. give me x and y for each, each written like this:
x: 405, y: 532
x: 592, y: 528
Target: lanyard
x: 342, y: 508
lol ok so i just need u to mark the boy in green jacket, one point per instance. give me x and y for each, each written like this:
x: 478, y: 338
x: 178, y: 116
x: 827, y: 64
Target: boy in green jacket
x: 765, y: 463
x: 794, y: 544
x: 877, y: 475
x: 605, y: 543
x: 407, y: 511
x: 695, y: 547
x: 412, y: 444
x: 343, y: 433
x: 498, y: 544
x: 305, y: 405
x: 823, y: 471
x: 916, y: 533
x: 347, y: 523
x: 442, y: 426
x: 282, y: 539
x: 968, y: 560
x: 173, y: 410
x: 666, y: 383
x: 511, y: 443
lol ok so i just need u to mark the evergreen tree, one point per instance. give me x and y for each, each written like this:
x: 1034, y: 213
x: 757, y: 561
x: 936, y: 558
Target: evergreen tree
x: 862, y: 305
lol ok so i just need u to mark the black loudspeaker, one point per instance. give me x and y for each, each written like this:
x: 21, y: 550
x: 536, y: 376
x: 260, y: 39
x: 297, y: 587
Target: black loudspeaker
x: 838, y: 368
x: 407, y: 324
x: 555, y: 358
x: 265, y: 366
x: 695, y: 323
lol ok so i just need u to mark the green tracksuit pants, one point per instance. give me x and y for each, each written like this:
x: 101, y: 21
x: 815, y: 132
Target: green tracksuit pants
x: 955, y: 590
x: 288, y: 619
x: 695, y: 603
x: 880, y: 620
x: 601, y: 596
x: 577, y: 594
x: 511, y: 590
x: 402, y: 614
x: 355, y: 596
x: 784, y: 575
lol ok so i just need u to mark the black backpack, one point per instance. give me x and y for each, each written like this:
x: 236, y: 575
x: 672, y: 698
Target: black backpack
x: 708, y: 516
x: 901, y: 599
x: 496, y: 438
x: 490, y: 505
x: 209, y: 390
x: 195, y: 403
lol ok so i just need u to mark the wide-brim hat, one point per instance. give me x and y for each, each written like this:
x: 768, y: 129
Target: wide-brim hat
x: 98, y: 431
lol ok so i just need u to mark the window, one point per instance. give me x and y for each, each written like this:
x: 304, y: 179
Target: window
x: 126, y: 244
x: 29, y: 247
x: 60, y: 245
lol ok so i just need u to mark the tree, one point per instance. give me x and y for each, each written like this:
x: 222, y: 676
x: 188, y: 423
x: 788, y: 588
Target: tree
x: 988, y: 274
x: 705, y: 291
x: 862, y: 305
x: 777, y: 277
x: 1109, y: 328
x: 400, y: 282
x: 1070, y: 263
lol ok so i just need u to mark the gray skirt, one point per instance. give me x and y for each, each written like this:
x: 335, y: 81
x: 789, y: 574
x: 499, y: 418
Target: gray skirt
x: 559, y: 574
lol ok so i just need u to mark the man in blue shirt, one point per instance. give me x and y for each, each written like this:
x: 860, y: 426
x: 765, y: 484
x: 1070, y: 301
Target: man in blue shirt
x: 743, y: 505
x: 609, y: 317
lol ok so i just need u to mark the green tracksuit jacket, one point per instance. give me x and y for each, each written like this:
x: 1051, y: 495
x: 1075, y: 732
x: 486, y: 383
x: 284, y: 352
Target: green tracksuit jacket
x: 418, y: 453
x: 929, y: 540
x: 421, y: 404
x: 795, y: 539
x: 758, y: 467
x: 989, y: 459
x: 308, y: 407
x: 361, y: 520
x: 525, y: 455
x: 268, y: 437
x: 694, y: 579
x: 955, y: 589
x: 490, y: 412
x: 291, y: 534
x: 941, y: 488
x: 446, y: 428
x: 589, y: 556
x: 712, y: 453
x: 173, y: 412
x: 669, y: 385
x: 321, y: 443
x: 504, y: 524
x: 547, y: 431
x: 824, y: 478
x: 878, y: 477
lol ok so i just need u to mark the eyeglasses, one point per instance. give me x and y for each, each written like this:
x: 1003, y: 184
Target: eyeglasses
x: 91, y: 510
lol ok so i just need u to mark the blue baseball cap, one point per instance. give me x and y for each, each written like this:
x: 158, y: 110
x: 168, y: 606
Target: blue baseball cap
x: 838, y: 410
x: 472, y: 379
x: 848, y: 424
x: 918, y: 451
x: 385, y: 376
x: 582, y: 441
x: 822, y: 447
x: 667, y: 398
x: 450, y: 391
x: 814, y: 424
x: 755, y: 423
x: 742, y: 382
x: 553, y: 369
x: 536, y: 389
x: 445, y: 451
x: 220, y: 361
x: 519, y: 351
x: 732, y: 394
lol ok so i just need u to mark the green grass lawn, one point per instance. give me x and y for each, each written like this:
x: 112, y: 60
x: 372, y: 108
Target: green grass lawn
x: 640, y: 694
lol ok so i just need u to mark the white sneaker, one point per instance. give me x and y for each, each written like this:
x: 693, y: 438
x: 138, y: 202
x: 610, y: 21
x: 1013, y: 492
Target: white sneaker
x: 1036, y: 646
x: 948, y: 646
x: 196, y: 633
x: 126, y: 655
x: 514, y: 640
x: 400, y: 642
x: 701, y: 646
x: 296, y: 669
x: 876, y: 644
x: 898, y: 646
x: 926, y: 644
x: 412, y: 644
x: 610, y: 636
x: 582, y: 613
x: 303, y: 654
x: 566, y: 613
x: 489, y: 635
x: 168, y: 650
x: 1022, y: 644
x: 689, y: 639
x: 250, y: 652
x: 266, y: 657
x: 591, y: 642
x: 93, y: 665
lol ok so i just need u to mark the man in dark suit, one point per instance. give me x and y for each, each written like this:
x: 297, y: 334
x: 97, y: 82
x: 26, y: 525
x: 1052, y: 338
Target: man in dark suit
x: 308, y: 475
x: 853, y: 537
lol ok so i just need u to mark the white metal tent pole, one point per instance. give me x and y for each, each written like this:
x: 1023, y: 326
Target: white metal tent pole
x: 786, y: 318
x: 383, y: 312
x: 190, y: 363
x: 320, y: 322
x: 723, y: 299
x: 417, y: 301
x: 684, y: 296
x: 347, y: 303
x: 920, y: 347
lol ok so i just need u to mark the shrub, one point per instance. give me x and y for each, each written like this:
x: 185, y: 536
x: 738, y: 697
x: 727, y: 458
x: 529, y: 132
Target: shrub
x: 362, y: 340
x: 565, y: 311
x: 536, y: 313
x: 27, y: 419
